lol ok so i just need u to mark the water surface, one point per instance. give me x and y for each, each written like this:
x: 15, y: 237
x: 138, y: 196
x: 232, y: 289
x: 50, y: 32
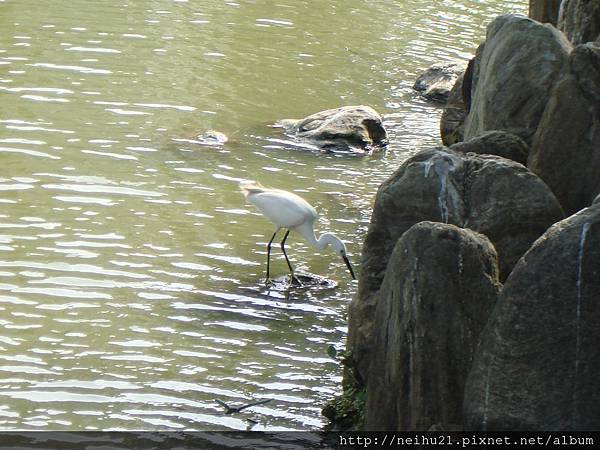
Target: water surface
x: 130, y: 266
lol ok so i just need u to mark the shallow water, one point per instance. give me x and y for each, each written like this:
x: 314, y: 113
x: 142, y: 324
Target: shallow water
x: 131, y: 269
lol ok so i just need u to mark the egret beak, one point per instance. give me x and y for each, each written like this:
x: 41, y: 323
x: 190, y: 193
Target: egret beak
x: 347, y: 261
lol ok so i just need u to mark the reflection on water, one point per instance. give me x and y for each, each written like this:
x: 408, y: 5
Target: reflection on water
x: 130, y: 266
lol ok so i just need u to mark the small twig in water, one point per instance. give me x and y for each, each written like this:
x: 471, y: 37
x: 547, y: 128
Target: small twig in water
x: 232, y: 410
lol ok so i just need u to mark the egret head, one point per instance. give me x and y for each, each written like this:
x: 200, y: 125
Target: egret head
x: 339, y: 247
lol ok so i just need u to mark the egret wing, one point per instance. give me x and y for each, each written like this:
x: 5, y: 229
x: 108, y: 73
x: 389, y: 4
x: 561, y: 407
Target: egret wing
x: 284, y: 209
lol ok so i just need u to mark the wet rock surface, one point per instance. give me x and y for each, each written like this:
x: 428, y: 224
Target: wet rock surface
x: 436, y: 82
x: 538, y: 364
x: 342, y: 129
x: 440, y: 286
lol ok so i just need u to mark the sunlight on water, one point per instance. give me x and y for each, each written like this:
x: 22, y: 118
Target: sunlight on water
x: 130, y: 265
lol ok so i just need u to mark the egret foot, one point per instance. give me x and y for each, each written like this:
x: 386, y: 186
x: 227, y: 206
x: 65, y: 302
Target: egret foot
x: 295, y: 281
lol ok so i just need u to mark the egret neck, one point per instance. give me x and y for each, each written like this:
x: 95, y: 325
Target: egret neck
x: 308, y: 232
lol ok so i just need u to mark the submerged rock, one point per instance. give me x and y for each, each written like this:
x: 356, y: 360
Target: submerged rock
x: 538, y: 364
x: 565, y: 151
x: 518, y: 65
x: 342, y: 128
x: 209, y: 138
x: 440, y: 286
x: 580, y: 20
x: 499, y: 143
x: 436, y: 82
x: 301, y: 281
x: 213, y: 136
x: 491, y: 195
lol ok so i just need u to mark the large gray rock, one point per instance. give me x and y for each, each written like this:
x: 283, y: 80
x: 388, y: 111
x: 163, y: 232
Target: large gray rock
x: 519, y: 64
x: 565, y: 151
x: 348, y: 127
x: 538, y: 365
x: 580, y: 20
x: 545, y: 11
x: 491, y: 195
x: 439, y: 288
x: 499, y: 143
x: 436, y: 82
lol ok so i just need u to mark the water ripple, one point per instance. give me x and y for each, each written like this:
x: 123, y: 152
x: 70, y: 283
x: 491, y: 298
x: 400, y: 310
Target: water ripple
x: 80, y: 69
x: 96, y: 188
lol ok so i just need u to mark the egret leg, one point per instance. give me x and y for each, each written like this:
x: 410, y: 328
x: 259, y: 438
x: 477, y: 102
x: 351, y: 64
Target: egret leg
x: 292, y: 276
x: 267, y: 279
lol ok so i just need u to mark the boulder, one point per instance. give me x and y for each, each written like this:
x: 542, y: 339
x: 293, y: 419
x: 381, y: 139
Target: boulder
x: 580, y: 20
x: 345, y: 128
x: 499, y: 143
x: 454, y: 114
x: 440, y: 286
x: 517, y: 67
x: 538, y: 364
x: 545, y: 11
x: 488, y: 194
x: 436, y: 82
x: 565, y: 151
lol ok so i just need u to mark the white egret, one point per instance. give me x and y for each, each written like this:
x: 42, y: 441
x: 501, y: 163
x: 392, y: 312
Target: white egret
x: 290, y: 211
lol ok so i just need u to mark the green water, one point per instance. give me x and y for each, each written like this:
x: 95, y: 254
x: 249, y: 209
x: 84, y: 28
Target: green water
x: 130, y: 265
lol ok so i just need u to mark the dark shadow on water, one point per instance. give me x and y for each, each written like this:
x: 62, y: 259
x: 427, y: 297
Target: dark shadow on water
x: 167, y: 439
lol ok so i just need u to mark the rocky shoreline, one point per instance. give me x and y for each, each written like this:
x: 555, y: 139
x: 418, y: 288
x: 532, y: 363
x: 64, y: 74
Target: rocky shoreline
x: 479, y: 293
